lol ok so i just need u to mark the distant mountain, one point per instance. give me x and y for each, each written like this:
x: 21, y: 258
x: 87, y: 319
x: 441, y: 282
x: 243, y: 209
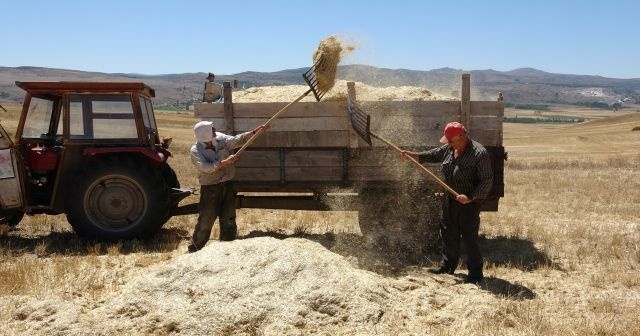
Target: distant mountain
x: 519, y: 86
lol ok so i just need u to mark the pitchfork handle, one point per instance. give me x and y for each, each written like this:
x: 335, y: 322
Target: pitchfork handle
x: 253, y: 137
x: 440, y: 182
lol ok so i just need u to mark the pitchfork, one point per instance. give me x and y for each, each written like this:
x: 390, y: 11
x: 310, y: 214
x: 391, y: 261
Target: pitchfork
x: 309, y: 77
x: 361, y: 123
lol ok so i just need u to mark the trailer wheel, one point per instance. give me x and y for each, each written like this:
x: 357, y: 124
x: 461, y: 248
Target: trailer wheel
x: 11, y: 217
x: 405, y: 219
x: 117, y: 198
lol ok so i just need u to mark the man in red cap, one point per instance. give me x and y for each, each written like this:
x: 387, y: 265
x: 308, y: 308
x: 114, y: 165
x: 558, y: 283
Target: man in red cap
x: 467, y: 170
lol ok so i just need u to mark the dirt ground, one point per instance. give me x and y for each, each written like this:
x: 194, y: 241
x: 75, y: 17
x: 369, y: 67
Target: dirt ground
x: 562, y: 258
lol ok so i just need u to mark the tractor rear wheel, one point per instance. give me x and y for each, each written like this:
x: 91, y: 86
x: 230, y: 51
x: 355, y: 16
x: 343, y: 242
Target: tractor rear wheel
x: 171, y: 180
x: 117, y: 198
x: 11, y: 217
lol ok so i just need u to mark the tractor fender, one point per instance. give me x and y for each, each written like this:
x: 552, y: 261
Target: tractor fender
x: 156, y: 157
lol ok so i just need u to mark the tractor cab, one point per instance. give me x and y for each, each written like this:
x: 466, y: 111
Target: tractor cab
x: 87, y: 149
x: 71, y: 120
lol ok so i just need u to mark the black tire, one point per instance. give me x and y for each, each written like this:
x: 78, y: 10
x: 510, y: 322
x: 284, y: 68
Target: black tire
x: 406, y: 217
x: 117, y: 198
x: 171, y: 181
x: 11, y: 217
x: 170, y: 177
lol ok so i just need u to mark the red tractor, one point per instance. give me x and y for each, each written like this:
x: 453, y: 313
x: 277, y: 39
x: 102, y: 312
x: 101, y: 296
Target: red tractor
x: 91, y: 151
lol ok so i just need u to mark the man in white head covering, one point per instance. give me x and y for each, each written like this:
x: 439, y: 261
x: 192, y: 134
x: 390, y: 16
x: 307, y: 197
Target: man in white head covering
x: 212, y: 155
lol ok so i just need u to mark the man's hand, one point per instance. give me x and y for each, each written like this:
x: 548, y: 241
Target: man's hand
x: 464, y: 199
x: 407, y: 154
x: 260, y: 129
x: 229, y: 161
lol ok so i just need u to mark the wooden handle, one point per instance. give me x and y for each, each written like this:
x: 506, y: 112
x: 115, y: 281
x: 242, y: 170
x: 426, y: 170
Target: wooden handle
x: 255, y: 136
x: 438, y: 180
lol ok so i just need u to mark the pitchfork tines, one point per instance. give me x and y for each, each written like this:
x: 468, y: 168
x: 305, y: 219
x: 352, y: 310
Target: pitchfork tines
x: 312, y: 81
x: 360, y: 121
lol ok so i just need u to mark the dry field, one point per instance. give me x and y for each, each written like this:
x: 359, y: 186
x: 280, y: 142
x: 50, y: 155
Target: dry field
x: 562, y: 254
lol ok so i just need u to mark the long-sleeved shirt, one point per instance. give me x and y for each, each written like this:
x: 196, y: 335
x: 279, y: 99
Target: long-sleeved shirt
x: 469, y: 174
x: 207, y: 160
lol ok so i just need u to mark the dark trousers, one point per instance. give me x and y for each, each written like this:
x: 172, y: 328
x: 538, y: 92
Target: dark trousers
x: 461, y: 220
x: 216, y: 200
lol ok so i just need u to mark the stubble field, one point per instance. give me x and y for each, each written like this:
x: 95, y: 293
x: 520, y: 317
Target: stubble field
x: 562, y: 258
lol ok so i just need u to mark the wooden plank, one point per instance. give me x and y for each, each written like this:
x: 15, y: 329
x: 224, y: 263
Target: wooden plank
x: 399, y: 172
x: 374, y: 159
x: 297, y: 186
x: 228, y: 108
x: 262, y: 158
x: 278, y: 202
x: 487, y: 137
x: 487, y: 108
x: 414, y: 138
x: 292, y: 174
x: 465, y: 101
x: 286, y: 124
x: 409, y: 122
x: 354, y: 139
x: 313, y: 174
x: 302, y: 139
x: 436, y: 108
x: 409, y: 137
x: 267, y: 110
x: 314, y: 158
x: 257, y: 174
x: 485, y: 122
x: 351, y: 91
x: 450, y: 109
x: 293, y: 158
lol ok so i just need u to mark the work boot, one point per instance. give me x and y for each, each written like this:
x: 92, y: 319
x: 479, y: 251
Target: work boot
x: 474, y: 279
x: 229, y: 233
x: 192, y: 248
x: 441, y: 270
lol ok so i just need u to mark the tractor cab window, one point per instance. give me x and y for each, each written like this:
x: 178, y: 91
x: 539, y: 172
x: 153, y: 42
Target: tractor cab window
x: 147, y: 114
x: 38, y: 119
x: 149, y: 121
x: 101, y: 117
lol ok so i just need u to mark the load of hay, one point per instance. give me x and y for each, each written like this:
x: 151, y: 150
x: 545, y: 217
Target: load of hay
x: 326, y: 59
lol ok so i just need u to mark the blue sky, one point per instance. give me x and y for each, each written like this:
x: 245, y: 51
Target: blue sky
x: 227, y: 37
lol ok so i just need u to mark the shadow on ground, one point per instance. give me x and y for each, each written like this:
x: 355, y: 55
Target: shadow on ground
x: 506, y: 289
x: 68, y: 243
x: 514, y: 252
x: 380, y: 256
x: 393, y: 259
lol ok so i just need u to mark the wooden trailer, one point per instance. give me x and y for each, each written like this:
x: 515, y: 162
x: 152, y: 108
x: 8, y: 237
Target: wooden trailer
x: 311, y: 159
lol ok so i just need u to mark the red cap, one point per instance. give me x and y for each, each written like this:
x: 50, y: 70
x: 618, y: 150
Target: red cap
x: 452, y: 130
